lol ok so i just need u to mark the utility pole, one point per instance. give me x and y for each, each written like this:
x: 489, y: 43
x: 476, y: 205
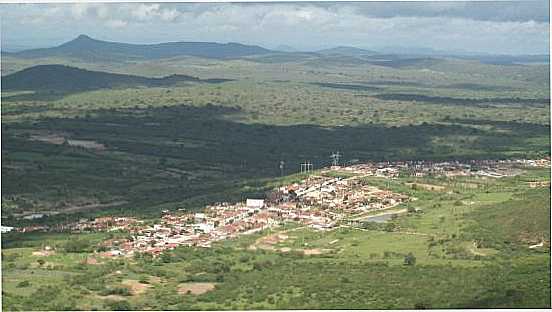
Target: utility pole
x: 335, y: 158
x: 306, y: 167
x: 282, y: 164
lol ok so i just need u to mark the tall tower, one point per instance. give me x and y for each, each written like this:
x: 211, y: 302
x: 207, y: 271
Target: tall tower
x: 335, y: 158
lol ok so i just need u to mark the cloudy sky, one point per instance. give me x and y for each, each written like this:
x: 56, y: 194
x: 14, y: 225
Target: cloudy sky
x: 519, y: 27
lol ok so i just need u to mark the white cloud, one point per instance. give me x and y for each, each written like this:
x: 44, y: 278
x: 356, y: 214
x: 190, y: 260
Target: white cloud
x: 79, y: 10
x: 115, y: 23
x: 144, y: 12
x: 305, y: 25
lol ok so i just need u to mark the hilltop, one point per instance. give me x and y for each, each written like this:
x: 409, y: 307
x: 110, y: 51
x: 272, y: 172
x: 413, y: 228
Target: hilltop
x: 348, y: 51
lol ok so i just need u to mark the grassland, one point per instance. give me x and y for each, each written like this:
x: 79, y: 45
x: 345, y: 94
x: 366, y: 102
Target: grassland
x: 361, y: 267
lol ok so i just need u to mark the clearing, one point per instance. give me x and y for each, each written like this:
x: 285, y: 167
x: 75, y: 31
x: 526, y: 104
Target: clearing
x: 195, y: 288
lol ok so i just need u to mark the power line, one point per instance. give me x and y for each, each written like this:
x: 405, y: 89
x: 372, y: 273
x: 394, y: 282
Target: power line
x: 306, y: 167
x: 335, y: 158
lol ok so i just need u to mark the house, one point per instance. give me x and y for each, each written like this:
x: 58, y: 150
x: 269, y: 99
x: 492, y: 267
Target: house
x: 255, y: 203
x: 6, y: 229
x: 34, y: 216
x: 199, y: 217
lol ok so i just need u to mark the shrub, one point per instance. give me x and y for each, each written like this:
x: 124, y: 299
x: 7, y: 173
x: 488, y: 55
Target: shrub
x: 23, y: 284
x: 121, y: 291
x: 119, y: 305
x: 409, y: 259
x: 76, y: 245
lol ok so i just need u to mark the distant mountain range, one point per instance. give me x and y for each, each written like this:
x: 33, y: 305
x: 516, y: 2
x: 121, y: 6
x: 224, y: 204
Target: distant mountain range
x: 84, y: 47
x: 89, y: 49
x: 61, y: 78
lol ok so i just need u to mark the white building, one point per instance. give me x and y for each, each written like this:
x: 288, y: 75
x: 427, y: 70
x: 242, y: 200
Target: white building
x: 255, y: 203
x: 199, y: 217
x: 6, y: 229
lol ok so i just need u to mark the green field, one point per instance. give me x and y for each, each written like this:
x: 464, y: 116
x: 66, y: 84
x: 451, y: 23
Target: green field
x: 360, y: 267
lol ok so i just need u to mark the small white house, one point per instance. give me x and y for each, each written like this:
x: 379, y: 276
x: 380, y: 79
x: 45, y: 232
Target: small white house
x: 199, y: 217
x: 6, y: 229
x: 255, y: 203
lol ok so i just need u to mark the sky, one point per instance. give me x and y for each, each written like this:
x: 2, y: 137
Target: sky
x: 505, y: 27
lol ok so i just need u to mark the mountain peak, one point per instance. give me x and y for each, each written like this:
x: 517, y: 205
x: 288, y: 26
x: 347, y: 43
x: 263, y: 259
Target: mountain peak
x: 83, y: 37
x: 82, y: 42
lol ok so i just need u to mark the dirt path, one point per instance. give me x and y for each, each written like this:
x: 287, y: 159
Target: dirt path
x: 385, y: 211
x: 398, y: 232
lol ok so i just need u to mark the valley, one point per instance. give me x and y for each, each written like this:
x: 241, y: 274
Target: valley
x: 203, y: 176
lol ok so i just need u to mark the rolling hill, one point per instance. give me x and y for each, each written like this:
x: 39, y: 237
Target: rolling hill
x: 84, y: 47
x: 346, y: 51
x: 63, y: 78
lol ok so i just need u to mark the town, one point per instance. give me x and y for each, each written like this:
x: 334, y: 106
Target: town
x: 321, y: 201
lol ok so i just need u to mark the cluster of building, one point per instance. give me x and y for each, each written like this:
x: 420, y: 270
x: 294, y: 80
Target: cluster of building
x: 320, y: 202
x: 100, y: 224
x: 421, y: 168
x: 337, y: 195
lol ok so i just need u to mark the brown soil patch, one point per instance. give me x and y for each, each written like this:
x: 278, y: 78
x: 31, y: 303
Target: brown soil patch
x: 136, y: 288
x: 195, y: 288
x: 315, y: 251
x: 48, y: 138
x: 267, y: 242
x: 112, y: 297
x: 155, y: 279
x: 43, y: 253
x: 59, y: 138
x: 87, y: 144
x: 273, y: 239
x: 91, y: 260
x: 539, y: 184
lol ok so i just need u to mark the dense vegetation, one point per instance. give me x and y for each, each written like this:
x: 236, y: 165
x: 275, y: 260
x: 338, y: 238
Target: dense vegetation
x: 137, y: 137
x: 133, y: 146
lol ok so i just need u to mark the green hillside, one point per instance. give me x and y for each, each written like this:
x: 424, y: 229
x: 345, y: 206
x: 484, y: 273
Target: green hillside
x: 525, y: 219
x: 60, y: 78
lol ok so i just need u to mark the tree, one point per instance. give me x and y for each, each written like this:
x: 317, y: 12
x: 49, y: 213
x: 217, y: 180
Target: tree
x: 165, y: 257
x: 76, y: 245
x: 119, y: 305
x: 410, y: 259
